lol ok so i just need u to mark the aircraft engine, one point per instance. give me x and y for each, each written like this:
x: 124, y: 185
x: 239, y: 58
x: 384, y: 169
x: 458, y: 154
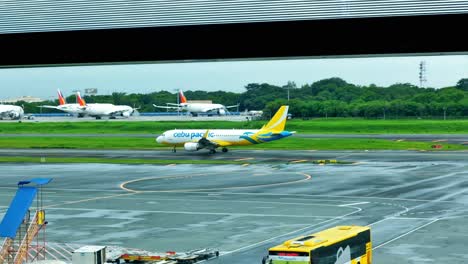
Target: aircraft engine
x: 222, y: 112
x: 126, y: 114
x: 190, y: 146
x: 15, y: 115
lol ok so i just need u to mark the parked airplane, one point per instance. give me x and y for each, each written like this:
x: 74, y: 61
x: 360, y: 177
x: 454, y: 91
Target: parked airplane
x: 74, y: 109
x: 13, y: 112
x: 195, y: 108
x: 100, y: 110
x: 196, y: 139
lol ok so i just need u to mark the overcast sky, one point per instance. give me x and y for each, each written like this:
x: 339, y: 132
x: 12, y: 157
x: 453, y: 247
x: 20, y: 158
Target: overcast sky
x: 232, y: 76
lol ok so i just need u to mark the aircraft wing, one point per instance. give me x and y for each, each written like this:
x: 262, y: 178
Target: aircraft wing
x: 221, y: 143
x: 212, y: 144
x: 166, y: 107
x: 232, y: 106
x: 48, y: 106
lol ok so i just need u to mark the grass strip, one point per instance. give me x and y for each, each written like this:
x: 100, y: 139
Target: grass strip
x: 319, y: 125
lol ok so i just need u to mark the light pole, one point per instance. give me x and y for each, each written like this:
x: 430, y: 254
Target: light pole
x: 288, y: 86
x: 178, y: 106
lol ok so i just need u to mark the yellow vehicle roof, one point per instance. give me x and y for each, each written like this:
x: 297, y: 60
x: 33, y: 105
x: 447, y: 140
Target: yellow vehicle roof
x: 323, y: 238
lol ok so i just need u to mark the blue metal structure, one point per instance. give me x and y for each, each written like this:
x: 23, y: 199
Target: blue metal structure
x: 19, y: 206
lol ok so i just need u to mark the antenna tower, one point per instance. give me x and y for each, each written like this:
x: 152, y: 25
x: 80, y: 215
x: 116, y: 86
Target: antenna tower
x: 422, y: 74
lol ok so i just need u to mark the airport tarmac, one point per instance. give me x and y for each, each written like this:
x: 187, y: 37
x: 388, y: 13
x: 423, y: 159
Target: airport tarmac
x: 435, y: 138
x: 415, y: 202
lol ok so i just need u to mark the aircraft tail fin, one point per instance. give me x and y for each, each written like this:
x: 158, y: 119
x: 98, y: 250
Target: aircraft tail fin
x: 278, y: 122
x: 80, y: 100
x: 182, y: 98
x: 61, y: 99
x: 206, y: 134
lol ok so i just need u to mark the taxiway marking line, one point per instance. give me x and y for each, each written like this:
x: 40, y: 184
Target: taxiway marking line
x: 69, y: 252
x: 230, y: 201
x: 307, y: 196
x: 405, y: 234
x: 194, y: 213
x: 354, y: 204
x: 439, y: 140
x: 411, y: 218
x: 298, y: 161
x: 67, y: 258
x: 122, y: 186
x: 292, y: 232
x: 242, y: 159
x: 344, y: 156
x: 90, y: 199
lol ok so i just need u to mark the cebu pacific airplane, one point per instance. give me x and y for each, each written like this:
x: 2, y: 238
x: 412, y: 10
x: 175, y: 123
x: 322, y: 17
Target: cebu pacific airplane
x: 196, y: 139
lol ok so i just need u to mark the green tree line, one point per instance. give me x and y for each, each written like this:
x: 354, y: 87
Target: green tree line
x: 333, y: 97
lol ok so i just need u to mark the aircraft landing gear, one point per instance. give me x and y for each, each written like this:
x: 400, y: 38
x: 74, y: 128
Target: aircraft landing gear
x: 225, y: 150
x: 98, y: 117
x: 174, y: 150
x: 212, y: 151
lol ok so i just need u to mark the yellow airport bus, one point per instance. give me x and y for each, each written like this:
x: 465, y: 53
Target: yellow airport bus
x: 337, y: 245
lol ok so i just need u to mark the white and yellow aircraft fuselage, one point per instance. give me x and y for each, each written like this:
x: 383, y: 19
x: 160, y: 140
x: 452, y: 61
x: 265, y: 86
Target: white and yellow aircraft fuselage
x: 196, y: 139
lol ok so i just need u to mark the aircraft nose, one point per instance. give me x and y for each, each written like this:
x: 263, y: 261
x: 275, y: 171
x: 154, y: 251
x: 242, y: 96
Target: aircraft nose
x: 159, y: 139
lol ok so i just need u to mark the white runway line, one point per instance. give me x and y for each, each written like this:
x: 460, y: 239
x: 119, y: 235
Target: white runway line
x: 193, y: 213
x: 354, y: 204
x: 89, y: 199
x: 64, y: 249
x: 405, y: 234
x: 50, y: 247
x: 411, y: 218
x: 238, y: 201
x: 296, y: 231
x: 242, y: 159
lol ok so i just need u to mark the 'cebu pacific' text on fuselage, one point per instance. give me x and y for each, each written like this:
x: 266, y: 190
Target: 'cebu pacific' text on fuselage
x: 190, y: 135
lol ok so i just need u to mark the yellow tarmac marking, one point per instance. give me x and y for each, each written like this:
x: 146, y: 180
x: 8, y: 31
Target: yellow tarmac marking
x: 298, y: 161
x: 400, y: 140
x: 173, y: 164
x: 439, y: 140
x: 245, y: 164
x: 244, y: 159
x: 122, y: 186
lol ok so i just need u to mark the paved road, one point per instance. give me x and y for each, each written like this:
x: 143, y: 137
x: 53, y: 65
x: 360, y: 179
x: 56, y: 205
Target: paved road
x: 415, y: 202
x: 247, y: 156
